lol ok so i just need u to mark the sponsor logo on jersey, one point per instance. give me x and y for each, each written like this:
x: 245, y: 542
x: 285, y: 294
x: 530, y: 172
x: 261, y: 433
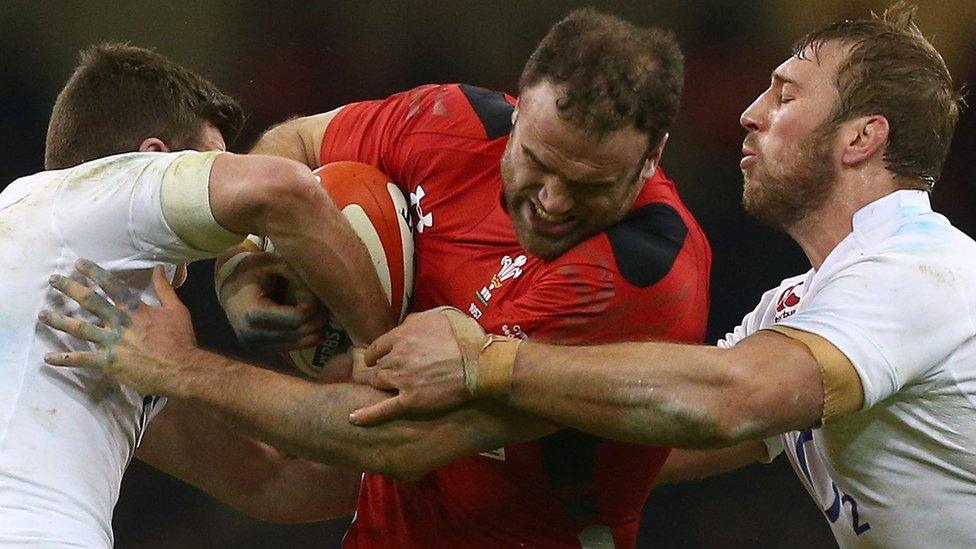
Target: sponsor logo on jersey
x: 788, y: 301
x: 421, y: 220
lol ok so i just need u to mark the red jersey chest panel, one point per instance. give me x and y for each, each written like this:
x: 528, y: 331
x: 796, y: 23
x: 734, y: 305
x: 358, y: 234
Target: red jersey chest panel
x: 646, y: 277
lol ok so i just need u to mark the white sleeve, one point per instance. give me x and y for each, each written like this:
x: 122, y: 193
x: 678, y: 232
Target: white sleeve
x: 110, y: 211
x: 895, y: 316
x: 751, y: 323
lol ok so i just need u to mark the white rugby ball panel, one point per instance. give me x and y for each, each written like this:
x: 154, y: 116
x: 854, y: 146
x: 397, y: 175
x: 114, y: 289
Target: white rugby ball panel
x: 363, y: 225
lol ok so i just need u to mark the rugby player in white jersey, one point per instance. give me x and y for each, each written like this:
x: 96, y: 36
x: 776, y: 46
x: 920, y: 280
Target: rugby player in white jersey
x: 66, y: 436
x: 861, y: 370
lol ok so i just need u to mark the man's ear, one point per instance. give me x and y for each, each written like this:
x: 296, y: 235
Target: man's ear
x: 863, y: 138
x: 153, y: 144
x: 654, y: 158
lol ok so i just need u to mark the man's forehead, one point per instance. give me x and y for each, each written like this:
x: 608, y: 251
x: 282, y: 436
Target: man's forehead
x: 811, y: 63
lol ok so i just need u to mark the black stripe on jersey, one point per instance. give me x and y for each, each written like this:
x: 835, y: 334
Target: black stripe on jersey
x: 568, y: 459
x: 646, y: 242
x: 494, y: 112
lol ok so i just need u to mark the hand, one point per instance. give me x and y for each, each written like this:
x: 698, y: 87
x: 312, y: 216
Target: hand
x: 261, y: 321
x: 137, y: 345
x: 421, y: 359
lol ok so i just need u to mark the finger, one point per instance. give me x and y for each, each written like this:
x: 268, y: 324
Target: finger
x: 382, y: 411
x: 310, y: 340
x: 164, y: 290
x: 312, y: 326
x: 78, y: 328
x: 380, y: 347
x: 87, y: 298
x: 274, y: 316
x: 112, y: 285
x: 74, y: 359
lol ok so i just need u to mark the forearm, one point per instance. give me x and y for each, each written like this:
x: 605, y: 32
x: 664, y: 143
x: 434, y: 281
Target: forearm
x: 244, y: 473
x: 670, y: 395
x: 328, y: 255
x: 284, y: 201
x: 311, y: 420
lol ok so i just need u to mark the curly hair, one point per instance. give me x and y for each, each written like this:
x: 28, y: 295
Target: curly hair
x: 119, y: 95
x: 892, y: 70
x: 610, y: 73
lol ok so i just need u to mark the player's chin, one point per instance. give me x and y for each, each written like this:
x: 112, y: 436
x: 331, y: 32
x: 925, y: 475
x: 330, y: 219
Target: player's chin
x: 546, y: 247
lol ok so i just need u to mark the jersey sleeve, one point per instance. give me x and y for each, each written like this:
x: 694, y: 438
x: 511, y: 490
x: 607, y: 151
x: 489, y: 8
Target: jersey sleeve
x: 111, y: 211
x: 376, y: 132
x: 894, y: 316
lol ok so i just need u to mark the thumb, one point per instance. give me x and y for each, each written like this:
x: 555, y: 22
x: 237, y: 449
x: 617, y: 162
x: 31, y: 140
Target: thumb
x: 164, y: 291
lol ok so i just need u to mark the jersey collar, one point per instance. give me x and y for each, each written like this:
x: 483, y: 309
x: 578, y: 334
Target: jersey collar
x: 901, y: 203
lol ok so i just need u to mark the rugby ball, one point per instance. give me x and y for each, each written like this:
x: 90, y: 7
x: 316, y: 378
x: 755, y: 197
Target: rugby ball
x: 378, y: 213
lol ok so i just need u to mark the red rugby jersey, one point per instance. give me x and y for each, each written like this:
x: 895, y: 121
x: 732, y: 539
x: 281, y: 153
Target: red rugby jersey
x: 646, y: 277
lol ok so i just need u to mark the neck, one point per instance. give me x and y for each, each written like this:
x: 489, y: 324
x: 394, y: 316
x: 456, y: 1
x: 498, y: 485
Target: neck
x: 824, y: 228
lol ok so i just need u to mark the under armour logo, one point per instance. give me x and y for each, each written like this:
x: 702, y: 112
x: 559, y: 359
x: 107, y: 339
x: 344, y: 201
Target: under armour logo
x: 422, y: 220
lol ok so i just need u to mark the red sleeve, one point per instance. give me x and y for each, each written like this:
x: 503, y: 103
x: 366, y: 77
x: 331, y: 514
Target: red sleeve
x: 391, y: 134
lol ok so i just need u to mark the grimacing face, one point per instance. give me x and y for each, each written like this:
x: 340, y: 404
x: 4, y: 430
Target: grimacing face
x: 562, y: 184
x: 790, y: 160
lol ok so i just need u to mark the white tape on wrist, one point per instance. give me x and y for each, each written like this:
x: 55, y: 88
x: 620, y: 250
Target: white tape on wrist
x: 226, y: 270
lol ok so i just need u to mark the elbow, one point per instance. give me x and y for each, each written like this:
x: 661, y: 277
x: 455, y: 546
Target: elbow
x: 759, y: 406
x: 286, y: 190
x: 737, y: 411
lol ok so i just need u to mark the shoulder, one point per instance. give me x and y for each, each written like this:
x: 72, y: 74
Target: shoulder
x: 123, y: 165
x: 460, y: 110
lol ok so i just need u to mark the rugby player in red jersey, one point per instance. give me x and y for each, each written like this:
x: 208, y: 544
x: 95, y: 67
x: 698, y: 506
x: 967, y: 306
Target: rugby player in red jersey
x: 547, y: 219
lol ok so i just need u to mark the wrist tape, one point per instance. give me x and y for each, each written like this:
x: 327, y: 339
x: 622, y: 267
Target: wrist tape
x: 488, y: 360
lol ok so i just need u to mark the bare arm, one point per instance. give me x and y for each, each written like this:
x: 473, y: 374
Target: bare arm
x: 153, y: 350
x: 673, y: 395
x: 299, y: 139
x: 311, y: 420
x: 659, y: 394
x: 282, y: 199
x: 249, y: 475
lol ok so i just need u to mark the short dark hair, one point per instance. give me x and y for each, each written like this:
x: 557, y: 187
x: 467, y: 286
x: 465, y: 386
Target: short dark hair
x: 611, y: 74
x: 893, y: 71
x: 119, y: 95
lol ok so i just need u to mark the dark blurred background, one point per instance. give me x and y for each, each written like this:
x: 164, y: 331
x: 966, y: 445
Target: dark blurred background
x: 284, y: 59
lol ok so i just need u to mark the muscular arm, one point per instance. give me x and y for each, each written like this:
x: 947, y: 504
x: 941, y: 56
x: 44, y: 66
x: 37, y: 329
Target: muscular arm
x: 283, y: 200
x: 299, y: 139
x: 311, y: 420
x: 673, y: 395
x: 251, y: 476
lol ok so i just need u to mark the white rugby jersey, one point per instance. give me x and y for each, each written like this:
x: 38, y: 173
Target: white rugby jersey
x: 66, y: 435
x: 898, y: 298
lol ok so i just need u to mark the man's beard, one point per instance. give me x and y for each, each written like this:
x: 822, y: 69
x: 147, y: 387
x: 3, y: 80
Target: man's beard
x: 782, y: 201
